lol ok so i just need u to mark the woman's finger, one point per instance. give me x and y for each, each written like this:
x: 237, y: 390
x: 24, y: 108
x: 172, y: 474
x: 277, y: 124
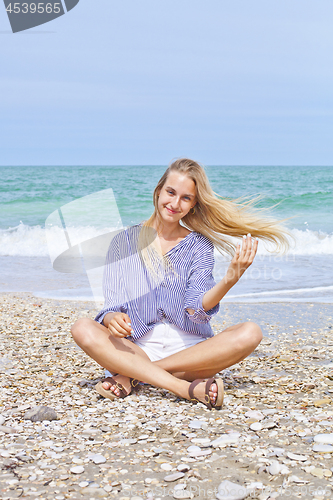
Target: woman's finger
x: 244, y: 247
x: 125, y: 323
x: 254, y: 249
x: 248, y: 247
x: 237, y: 252
x: 116, y: 327
x: 115, y: 332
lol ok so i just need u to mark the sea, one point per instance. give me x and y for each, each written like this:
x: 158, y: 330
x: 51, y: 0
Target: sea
x: 46, y: 210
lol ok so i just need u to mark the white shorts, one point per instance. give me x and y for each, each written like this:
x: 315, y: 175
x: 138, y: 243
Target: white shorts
x: 164, y: 340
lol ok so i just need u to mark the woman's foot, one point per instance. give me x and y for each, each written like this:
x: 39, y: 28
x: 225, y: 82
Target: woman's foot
x: 122, y: 381
x: 207, y: 391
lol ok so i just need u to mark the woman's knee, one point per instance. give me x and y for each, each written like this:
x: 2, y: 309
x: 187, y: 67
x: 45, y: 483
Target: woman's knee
x: 82, y: 331
x: 251, y: 334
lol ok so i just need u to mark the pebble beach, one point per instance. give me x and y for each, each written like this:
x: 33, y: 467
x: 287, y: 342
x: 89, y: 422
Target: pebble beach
x: 273, y: 437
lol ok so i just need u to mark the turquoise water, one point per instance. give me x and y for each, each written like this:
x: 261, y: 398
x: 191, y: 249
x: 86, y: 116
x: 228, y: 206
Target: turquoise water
x: 28, y: 195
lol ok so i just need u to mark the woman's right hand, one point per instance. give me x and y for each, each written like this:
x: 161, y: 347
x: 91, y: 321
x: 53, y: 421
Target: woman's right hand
x: 119, y: 325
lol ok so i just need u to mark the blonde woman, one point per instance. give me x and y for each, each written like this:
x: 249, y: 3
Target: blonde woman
x: 160, y: 334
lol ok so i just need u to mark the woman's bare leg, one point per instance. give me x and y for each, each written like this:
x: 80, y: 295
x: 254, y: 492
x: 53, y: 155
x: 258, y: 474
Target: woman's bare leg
x: 122, y: 356
x: 215, y: 354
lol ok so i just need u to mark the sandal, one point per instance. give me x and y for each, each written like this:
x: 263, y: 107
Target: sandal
x: 106, y: 393
x: 207, y: 401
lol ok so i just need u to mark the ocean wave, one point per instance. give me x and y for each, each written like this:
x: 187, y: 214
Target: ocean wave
x: 30, y: 241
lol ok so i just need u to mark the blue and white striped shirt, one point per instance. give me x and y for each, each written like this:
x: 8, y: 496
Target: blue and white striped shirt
x: 129, y: 288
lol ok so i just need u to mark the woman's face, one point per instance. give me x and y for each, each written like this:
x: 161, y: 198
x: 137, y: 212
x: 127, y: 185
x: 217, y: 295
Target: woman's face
x: 177, y: 197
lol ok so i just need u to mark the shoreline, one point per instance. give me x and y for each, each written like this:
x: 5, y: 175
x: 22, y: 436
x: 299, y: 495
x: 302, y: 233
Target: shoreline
x: 286, y: 383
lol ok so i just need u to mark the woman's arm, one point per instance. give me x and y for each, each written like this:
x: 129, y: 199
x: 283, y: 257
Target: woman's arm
x: 243, y: 258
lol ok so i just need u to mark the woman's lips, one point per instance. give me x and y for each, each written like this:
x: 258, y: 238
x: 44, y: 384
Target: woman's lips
x: 171, y: 211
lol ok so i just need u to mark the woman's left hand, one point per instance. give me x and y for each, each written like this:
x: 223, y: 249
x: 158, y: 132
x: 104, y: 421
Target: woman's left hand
x: 243, y: 258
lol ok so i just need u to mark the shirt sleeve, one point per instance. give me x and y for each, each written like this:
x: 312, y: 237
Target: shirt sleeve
x: 113, y: 284
x: 199, y: 282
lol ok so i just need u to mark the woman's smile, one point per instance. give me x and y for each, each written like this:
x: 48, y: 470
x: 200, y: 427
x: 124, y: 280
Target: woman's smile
x: 172, y: 211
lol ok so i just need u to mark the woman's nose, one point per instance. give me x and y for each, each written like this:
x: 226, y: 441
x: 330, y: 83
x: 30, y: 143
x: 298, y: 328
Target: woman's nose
x: 175, y: 202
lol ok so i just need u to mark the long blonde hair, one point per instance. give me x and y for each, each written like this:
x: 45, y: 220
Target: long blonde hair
x: 214, y: 217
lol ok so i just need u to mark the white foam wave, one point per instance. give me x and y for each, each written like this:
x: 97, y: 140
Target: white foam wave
x: 30, y: 241
x: 296, y: 291
x: 302, y: 243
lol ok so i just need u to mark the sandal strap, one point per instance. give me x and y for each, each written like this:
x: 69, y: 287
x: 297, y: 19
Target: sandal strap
x: 192, y: 387
x: 121, y: 389
x: 134, y: 382
x: 208, y: 402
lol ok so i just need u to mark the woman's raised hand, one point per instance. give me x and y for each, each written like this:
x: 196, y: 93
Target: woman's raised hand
x: 243, y: 258
x: 120, y: 325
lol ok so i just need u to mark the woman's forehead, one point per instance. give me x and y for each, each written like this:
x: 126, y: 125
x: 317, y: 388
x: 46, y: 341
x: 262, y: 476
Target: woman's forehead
x: 180, y: 182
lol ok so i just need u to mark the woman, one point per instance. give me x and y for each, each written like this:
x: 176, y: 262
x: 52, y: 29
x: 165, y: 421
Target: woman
x: 159, y: 299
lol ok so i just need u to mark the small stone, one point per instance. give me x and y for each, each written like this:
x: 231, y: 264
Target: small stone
x: 300, y: 458
x: 226, y: 439
x: 317, y: 472
x: 269, y: 424
x: 2, y: 420
x: 322, y: 448
x: 166, y: 466
x: 231, y: 491
x: 98, y: 459
x: 39, y: 413
x: 322, y: 402
x: 183, y: 468
x: 197, y: 424
x: 77, y: 470
x: 108, y: 488
x: 143, y: 437
x: 256, y: 415
x: 193, y: 449
x: 7, y: 430
x: 174, y: 477
x: 256, y: 426
x: 274, y: 468
x: 201, y: 453
x: 105, y: 428
x: 84, y: 484
x: 324, y: 438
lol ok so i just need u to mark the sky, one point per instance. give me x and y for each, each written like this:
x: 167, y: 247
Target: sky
x: 142, y: 82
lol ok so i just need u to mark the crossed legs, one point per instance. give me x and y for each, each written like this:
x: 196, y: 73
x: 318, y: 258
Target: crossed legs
x: 175, y: 372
